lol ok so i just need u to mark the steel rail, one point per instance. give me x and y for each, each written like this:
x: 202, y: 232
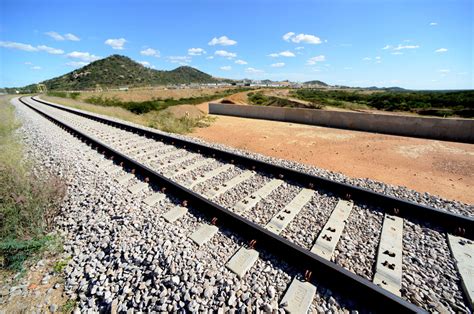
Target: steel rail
x: 453, y: 223
x: 366, y: 293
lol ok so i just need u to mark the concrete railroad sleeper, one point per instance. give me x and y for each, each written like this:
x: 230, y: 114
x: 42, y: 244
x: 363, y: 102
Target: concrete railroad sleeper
x: 323, y: 271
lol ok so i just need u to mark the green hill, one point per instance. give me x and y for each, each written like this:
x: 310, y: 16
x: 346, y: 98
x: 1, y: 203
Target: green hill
x: 118, y: 70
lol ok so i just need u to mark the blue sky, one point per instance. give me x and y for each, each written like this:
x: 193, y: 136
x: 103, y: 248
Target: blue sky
x: 413, y: 44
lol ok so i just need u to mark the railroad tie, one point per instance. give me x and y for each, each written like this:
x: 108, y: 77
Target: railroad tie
x: 328, y: 238
x: 283, y: 218
x: 112, y: 170
x: 175, y: 213
x: 251, y: 200
x: 154, y: 198
x: 125, y: 178
x: 299, y: 296
x: 230, y: 184
x: 242, y: 261
x: 463, y: 252
x: 140, y: 186
x: 388, y: 272
x: 104, y: 164
x: 203, y: 234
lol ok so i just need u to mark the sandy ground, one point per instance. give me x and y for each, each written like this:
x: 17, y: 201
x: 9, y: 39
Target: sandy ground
x: 440, y: 168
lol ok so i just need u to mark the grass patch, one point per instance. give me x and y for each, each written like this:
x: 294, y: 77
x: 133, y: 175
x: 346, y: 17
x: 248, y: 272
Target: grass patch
x: 69, y: 306
x: 59, y: 266
x: 28, y: 203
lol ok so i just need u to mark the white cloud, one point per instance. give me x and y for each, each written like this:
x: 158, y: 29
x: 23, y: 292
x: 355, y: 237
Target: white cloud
x: 444, y: 71
x: 285, y: 53
x: 378, y: 58
x: 299, y: 48
x: 84, y: 56
x: 226, y: 68
x: 116, y: 44
x: 30, y: 48
x: 288, y: 35
x: 302, y: 38
x: 307, y: 39
x: 71, y: 37
x: 378, y: 61
x: 240, y: 62
x: 182, y: 60
x: 150, y: 52
x: 196, y: 51
x: 36, y: 67
x: 347, y: 68
x: 254, y: 71
x: 77, y: 64
x: 28, y: 63
x: 223, y: 53
x: 210, y: 57
x: 55, y: 35
x: 397, y: 53
x: 400, y: 47
x: 433, y: 24
x: 441, y: 50
x: 278, y: 65
x: 223, y: 41
x: 19, y: 46
x: 386, y: 47
x: 50, y: 50
x: 367, y: 59
x: 59, y: 37
x: 313, y: 60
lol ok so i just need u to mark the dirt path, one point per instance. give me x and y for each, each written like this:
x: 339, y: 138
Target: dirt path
x: 440, y: 168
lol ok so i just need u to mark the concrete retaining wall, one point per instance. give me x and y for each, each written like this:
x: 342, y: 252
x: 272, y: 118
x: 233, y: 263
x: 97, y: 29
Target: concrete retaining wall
x: 448, y: 129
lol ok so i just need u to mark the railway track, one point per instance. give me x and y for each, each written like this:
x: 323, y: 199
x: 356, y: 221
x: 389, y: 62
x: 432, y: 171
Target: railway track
x: 270, y: 205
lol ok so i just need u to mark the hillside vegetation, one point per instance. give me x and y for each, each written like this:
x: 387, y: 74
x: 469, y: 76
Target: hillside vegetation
x: 437, y: 103
x: 117, y: 70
